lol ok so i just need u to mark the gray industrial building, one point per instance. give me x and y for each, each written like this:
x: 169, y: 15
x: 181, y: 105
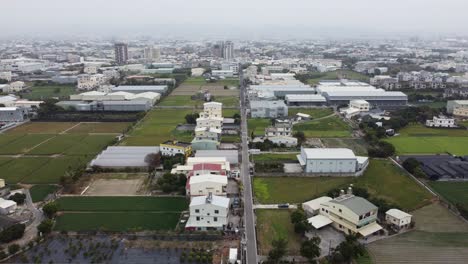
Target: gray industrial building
x: 13, y: 114
x: 161, y: 89
x: 123, y: 157
x: 442, y: 166
x: 268, y: 109
x: 377, y: 99
x: 64, y: 79
x: 305, y: 100
x: 115, y: 106
x: 280, y: 91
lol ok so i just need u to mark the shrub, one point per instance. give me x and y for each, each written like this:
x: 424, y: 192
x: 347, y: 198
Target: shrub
x: 12, y: 249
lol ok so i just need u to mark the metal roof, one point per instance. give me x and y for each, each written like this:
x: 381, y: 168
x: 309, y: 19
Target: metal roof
x: 329, y: 153
x: 356, y: 204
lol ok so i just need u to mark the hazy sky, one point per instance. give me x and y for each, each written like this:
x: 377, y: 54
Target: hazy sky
x: 234, y: 17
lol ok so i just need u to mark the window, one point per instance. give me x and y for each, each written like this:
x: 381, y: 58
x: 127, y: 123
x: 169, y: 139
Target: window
x: 340, y: 210
x: 198, y: 218
x: 216, y: 211
x: 215, y: 219
x: 197, y: 210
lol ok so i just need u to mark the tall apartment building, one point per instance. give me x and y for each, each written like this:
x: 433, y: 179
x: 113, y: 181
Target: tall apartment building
x: 121, y: 53
x: 228, y: 50
x: 151, y: 54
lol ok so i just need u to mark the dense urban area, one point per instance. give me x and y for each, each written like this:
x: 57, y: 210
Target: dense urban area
x: 234, y: 151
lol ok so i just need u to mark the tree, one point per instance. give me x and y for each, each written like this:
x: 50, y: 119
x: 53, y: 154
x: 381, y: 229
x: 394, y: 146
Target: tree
x: 299, y: 219
x: 278, y: 250
x: 12, y: 249
x: 172, y: 182
x: 153, y: 160
x: 310, y: 249
x: 300, y: 137
x: 410, y: 164
x: 50, y: 209
x: 45, y: 226
x: 348, y: 250
x: 191, y: 118
x: 18, y: 198
x: 11, y: 233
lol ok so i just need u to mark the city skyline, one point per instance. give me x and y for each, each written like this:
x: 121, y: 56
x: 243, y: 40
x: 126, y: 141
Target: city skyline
x: 246, y: 19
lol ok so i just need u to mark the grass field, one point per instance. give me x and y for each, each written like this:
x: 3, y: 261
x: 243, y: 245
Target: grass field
x: 313, y: 112
x: 272, y: 190
x: 49, y: 91
x: 181, y: 100
x: 436, y: 218
x: 110, y: 204
x: 231, y: 139
x: 275, y: 157
x: 116, y: 221
x: 201, y: 81
x: 328, y: 127
x: 258, y: 125
x: 228, y: 101
x: 382, y: 179
x: 275, y: 224
x: 417, y: 139
x: 90, y: 145
x: 40, y: 192
x: 454, y: 192
x: 358, y: 145
x: 335, y: 75
x: 156, y: 127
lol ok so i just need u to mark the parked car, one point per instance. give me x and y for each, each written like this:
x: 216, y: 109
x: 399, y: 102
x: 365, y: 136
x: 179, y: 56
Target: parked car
x: 286, y: 205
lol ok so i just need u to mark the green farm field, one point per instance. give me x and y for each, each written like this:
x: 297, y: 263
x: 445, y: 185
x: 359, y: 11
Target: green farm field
x: 275, y: 157
x: 258, y: 125
x: 454, y: 192
x: 157, y: 126
x: 40, y: 192
x: 417, y: 139
x: 332, y: 127
x: 382, y: 179
x: 124, y: 203
x: 23, y: 143
x: 49, y: 91
x: 116, y: 221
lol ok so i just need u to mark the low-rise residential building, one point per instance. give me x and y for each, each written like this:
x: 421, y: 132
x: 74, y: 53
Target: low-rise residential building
x: 385, y: 81
x: 6, y: 75
x: 207, y: 183
x: 398, y: 218
x: 172, y: 148
x: 268, y: 109
x: 458, y: 108
x: 210, y: 122
x: 17, y: 86
x: 281, y: 133
x: 362, y: 105
x: 7, y: 101
x: 347, y: 213
x: 208, y: 213
x: 7, y: 206
x: 441, y: 121
x: 212, y: 109
x: 90, y: 81
x: 331, y: 161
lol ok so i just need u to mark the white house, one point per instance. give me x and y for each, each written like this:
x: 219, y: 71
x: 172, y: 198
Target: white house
x: 7, y: 206
x: 331, y: 161
x: 287, y: 141
x: 211, y: 122
x: 89, y: 82
x: 208, y: 213
x: 362, y: 105
x: 398, y: 218
x: 441, y: 121
x: 6, y: 76
x: 212, y: 109
x: 207, y: 133
x: 207, y: 183
x: 17, y: 86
